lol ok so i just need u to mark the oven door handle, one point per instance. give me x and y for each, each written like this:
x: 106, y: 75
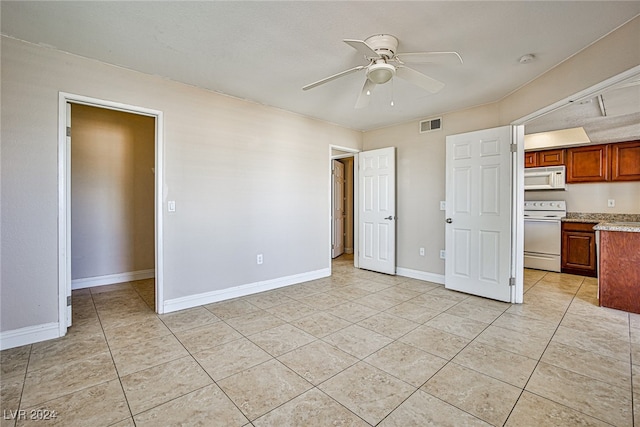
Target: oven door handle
x: 542, y: 219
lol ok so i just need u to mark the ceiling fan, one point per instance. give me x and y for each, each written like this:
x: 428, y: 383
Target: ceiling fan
x: 385, y: 63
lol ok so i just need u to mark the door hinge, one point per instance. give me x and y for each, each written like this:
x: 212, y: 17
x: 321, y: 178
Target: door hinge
x: 512, y: 281
x: 514, y: 148
x: 333, y: 246
x: 69, y: 301
x: 69, y: 131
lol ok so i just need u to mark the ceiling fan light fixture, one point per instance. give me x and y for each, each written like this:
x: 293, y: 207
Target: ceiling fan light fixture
x: 381, y: 73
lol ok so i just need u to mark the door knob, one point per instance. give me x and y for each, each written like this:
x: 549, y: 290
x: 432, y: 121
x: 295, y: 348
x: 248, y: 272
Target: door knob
x: 448, y: 220
x: 390, y: 217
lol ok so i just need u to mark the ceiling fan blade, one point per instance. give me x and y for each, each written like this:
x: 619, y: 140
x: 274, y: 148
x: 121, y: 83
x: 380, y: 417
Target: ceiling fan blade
x: 452, y: 58
x: 363, y: 98
x: 359, y: 45
x: 419, y: 79
x: 333, y: 77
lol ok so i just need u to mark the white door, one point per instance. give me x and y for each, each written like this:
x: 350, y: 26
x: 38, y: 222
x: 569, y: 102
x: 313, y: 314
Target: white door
x: 377, y: 209
x: 479, y: 213
x: 337, y: 244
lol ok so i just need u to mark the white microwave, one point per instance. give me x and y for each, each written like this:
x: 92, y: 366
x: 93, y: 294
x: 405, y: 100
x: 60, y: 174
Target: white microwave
x: 550, y: 178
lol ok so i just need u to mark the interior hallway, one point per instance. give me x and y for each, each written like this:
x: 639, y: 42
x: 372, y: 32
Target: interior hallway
x: 357, y: 349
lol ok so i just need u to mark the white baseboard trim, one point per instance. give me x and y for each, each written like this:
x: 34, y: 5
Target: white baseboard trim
x: 29, y: 335
x: 420, y: 275
x: 110, y: 279
x: 190, y: 301
x: 348, y: 250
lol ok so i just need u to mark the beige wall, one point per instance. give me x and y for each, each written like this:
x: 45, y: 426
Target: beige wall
x: 246, y: 179
x: 593, y: 197
x: 112, y: 192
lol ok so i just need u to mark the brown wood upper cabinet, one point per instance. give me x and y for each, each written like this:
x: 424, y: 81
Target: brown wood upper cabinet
x: 592, y: 163
x: 544, y: 158
x: 551, y: 157
x: 588, y: 164
x: 625, y: 161
x: 531, y: 159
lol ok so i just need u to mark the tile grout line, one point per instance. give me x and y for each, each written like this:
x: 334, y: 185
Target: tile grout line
x: 540, y: 360
x: 115, y: 366
x: 541, y: 355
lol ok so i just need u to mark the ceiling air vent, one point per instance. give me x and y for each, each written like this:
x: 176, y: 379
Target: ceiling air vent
x: 430, y: 125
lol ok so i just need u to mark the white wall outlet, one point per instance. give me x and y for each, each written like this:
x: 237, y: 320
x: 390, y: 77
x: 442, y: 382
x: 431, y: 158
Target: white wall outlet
x: 421, y: 251
x: 611, y: 203
x: 443, y: 205
x: 443, y: 254
x: 259, y: 259
x: 171, y: 205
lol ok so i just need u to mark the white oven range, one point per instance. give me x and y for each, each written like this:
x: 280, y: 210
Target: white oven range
x: 542, y: 238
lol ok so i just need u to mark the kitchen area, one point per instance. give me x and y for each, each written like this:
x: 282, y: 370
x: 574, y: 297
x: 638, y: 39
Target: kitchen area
x: 582, y: 193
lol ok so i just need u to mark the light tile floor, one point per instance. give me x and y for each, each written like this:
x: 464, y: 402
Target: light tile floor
x: 355, y: 349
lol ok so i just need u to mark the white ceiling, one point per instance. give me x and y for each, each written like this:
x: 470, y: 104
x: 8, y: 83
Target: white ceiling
x: 266, y: 51
x: 611, y: 116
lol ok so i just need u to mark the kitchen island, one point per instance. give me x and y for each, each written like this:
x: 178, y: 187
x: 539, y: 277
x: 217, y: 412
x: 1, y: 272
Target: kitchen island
x: 619, y: 272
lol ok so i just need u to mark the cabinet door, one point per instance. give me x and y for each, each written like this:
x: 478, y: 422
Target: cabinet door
x: 530, y: 159
x: 588, y: 164
x: 578, y: 253
x: 551, y: 157
x: 625, y: 161
x: 579, y: 249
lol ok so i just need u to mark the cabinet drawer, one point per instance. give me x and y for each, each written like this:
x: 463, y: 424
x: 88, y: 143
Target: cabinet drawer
x: 578, y: 226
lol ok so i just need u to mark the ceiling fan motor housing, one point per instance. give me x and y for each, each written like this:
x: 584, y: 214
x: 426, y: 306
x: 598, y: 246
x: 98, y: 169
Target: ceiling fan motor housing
x: 384, y: 45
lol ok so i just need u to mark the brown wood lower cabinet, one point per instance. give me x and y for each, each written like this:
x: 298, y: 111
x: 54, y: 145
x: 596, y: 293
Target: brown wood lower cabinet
x: 579, y: 249
x: 619, y: 280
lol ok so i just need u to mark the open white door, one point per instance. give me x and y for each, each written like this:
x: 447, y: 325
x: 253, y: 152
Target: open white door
x: 337, y: 201
x: 479, y: 212
x: 377, y: 210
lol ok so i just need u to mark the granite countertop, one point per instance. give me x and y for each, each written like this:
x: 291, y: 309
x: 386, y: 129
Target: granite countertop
x: 607, y: 222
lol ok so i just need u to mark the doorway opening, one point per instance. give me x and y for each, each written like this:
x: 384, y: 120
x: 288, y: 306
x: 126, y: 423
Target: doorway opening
x: 343, y: 194
x: 110, y: 182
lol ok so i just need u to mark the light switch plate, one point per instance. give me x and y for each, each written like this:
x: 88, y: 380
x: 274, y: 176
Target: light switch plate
x: 171, y: 205
x: 443, y: 205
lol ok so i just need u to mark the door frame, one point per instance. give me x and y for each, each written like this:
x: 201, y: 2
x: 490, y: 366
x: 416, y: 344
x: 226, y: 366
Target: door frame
x: 64, y: 196
x: 347, y: 152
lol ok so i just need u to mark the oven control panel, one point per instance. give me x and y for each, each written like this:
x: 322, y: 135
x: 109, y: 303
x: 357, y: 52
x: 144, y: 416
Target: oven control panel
x: 553, y: 205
